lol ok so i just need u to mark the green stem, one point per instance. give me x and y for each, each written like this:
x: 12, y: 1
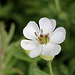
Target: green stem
x: 57, y: 5
x: 50, y: 68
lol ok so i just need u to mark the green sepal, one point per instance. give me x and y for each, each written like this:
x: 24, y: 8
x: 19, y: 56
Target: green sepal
x: 47, y: 57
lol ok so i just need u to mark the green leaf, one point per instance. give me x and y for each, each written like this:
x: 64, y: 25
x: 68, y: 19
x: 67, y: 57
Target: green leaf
x: 64, y: 69
x: 12, y: 62
x: 5, y: 10
x: 11, y: 32
x: 72, y: 66
x: 34, y: 70
x: 67, y: 55
x: 39, y: 72
x: 11, y: 71
x: 3, y: 35
x: 31, y: 68
x: 72, y: 10
x: 23, y: 66
x: 20, y: 53
x: 9, y: 56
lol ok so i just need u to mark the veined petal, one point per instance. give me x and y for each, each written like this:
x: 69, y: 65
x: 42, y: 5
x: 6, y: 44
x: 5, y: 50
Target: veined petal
x: 28, y: 44
x: 53, y: 22
x: 51, y: 49
x: 56, y: 50
x: 30, y: 29
x: 57, y: 37
x: 45, y: 25
x: 61, y: 29
x: 47, y: 48
x: 35, y: 52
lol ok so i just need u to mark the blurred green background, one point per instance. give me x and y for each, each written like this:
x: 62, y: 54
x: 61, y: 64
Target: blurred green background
x: 14, y: 16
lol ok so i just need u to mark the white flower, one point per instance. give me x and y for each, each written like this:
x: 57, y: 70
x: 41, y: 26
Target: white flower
x: 43, y: 39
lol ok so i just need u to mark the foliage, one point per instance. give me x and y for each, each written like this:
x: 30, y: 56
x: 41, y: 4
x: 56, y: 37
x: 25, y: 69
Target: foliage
x: 14, y: 15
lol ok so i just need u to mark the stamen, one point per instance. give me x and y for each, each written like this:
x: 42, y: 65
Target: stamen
x: 47, y: 39
x: 46, y: 36
x: 41, y: 35
x: 39, y: 38
x: 43, y: 39
x: 41, y: 31
x: 42, y: 42
x: 35, y: 33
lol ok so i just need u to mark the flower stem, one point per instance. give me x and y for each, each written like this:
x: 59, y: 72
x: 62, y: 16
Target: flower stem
x: 57, y: 5
x: 50, y: 67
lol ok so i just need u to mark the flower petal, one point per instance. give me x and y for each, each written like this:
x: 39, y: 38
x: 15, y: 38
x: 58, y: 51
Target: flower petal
x: 30, y: 29
x: 60, y: 29
x: 45, y: 25
x: 51, y: 49
x: 35, y: 52
x: 47, y: 48
x: 28, y: 44
x: 57, y: 37
x: 53, y: 22
x: 56, y: 50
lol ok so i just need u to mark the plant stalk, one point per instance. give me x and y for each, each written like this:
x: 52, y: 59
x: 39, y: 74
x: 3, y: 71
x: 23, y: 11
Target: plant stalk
x: 50, y: 68
x: 57, y: 5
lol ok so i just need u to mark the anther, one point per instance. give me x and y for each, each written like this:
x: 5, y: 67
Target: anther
x: 41, y: 31
x: 41, y: 42
x: 46, y: 36
x: 35, y: 33
x: 39, y: 38
x: 41, y: 35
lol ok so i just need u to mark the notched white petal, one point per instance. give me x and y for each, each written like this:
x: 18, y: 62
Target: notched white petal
x: 51, y: 49
x: 57, y: 37
x: 35, y: 52
x: 47, y: 48
x: 28, y: 45
x: 30, y: 29
x: 60, y: 29
x: 45, y: 25
x: 56, y: 50
x: 53, y: 22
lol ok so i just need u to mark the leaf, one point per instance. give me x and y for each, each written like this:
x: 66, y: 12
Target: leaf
x: 11, y: 71
x: 23, y: 66
x: 64, y: 69
x: 3, y: 35
x: 9, y: 55
x: 67, y: 55
x: 5, y: 10
x: 34, y: 70
x: 72, y: 66
x: 72, y: 10
x: 39, y: 72
x: 20, y: 53
x: 31, y: 68
x: 11, y: 32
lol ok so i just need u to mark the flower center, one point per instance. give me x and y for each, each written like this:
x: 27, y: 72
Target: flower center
x: 43, y: 39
